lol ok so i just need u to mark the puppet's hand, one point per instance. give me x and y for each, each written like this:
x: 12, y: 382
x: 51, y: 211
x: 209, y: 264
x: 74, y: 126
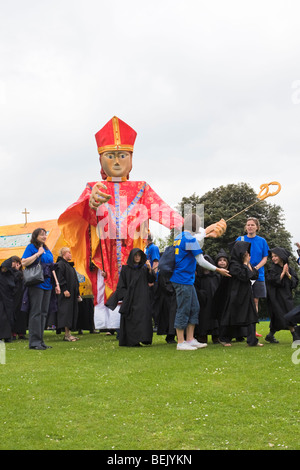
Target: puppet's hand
x: 97, y: 196
x: 216, y: 230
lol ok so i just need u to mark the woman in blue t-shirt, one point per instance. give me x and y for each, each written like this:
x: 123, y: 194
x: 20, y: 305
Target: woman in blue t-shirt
x: 39, y: 294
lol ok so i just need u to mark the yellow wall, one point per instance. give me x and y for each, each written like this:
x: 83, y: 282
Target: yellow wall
x: 15, y: 238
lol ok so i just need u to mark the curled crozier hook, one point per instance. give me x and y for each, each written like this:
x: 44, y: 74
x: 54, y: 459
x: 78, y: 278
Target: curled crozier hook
x: 265, y: 190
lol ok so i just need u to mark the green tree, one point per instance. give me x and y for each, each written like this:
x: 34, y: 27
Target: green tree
x: 228, y: 201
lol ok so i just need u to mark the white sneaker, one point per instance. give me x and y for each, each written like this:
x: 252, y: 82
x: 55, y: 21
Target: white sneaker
x: 185, y: 347
x: 196, y: 344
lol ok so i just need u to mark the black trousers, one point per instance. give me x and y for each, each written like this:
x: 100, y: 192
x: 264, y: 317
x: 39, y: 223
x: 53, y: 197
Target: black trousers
x: 251, y: 335
x: 39, y: 305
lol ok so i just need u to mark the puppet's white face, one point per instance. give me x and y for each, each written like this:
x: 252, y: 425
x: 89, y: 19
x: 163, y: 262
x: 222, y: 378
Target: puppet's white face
x: 116, y: 163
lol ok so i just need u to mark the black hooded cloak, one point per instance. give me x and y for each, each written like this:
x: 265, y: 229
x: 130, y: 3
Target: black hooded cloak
x: 167, y: 306
x: 67, y: 308
x: 239, y: 308
x: 222, y: 290
x: 206, y: 285
x: 279, y: 291
x: 7, y: 290
x: 20, y: 318
x: 133, y: 290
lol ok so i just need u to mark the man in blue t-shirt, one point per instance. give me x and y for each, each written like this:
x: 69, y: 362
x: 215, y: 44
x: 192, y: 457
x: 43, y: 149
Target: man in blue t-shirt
x: 187, y: 254
x: 152, y: 253
x: 259, y: 256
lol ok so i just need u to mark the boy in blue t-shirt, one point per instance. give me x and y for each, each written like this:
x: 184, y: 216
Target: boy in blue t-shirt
x: 186, y: 249
x: 187, y: 254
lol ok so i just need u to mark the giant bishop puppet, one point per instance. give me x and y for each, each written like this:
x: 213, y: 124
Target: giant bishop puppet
x: 111, y: 217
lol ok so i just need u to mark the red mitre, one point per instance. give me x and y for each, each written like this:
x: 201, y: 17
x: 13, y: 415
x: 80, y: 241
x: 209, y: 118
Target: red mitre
x: 115, y: 135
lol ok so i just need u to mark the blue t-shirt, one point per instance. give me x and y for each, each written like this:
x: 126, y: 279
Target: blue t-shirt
x: 46, y: 258
x: 259, y: 249
x: 186, y: 248
x: 152, y: 253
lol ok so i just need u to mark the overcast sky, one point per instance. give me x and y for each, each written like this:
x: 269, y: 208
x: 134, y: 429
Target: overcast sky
x: 211, y: 87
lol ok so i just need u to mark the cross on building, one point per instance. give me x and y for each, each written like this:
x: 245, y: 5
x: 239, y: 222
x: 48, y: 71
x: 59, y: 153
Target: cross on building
x: 25, y: 212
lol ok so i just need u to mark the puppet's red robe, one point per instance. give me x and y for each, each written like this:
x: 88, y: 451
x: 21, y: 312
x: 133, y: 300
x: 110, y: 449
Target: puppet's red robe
x: 105, y: 238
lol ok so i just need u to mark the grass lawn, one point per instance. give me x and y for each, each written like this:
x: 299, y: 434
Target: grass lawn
x: 93, y: 394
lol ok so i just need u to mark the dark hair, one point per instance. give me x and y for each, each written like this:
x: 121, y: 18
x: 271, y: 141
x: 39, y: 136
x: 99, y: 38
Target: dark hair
x: 34, y: 236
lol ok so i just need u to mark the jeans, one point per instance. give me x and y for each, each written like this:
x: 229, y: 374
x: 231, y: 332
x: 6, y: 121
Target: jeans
x: 187, y: 306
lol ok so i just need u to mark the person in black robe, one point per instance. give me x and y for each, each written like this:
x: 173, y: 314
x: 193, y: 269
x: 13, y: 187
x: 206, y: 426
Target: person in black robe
x: 293, y: 318
x: 67, y: 308
x: 238, y: 332
x: 222, y: 261
x: 7, y: 290
x: 239, y: 309
x: 206, y: 285
x: 86, y: 315
x: 166, y: 308
x: 20, y: 324
x: 281, y: 279
x: 133, y: 291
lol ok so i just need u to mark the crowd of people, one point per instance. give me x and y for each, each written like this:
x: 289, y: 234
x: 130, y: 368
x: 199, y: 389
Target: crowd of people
x: 204, y: 296
x: 228, y: 301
